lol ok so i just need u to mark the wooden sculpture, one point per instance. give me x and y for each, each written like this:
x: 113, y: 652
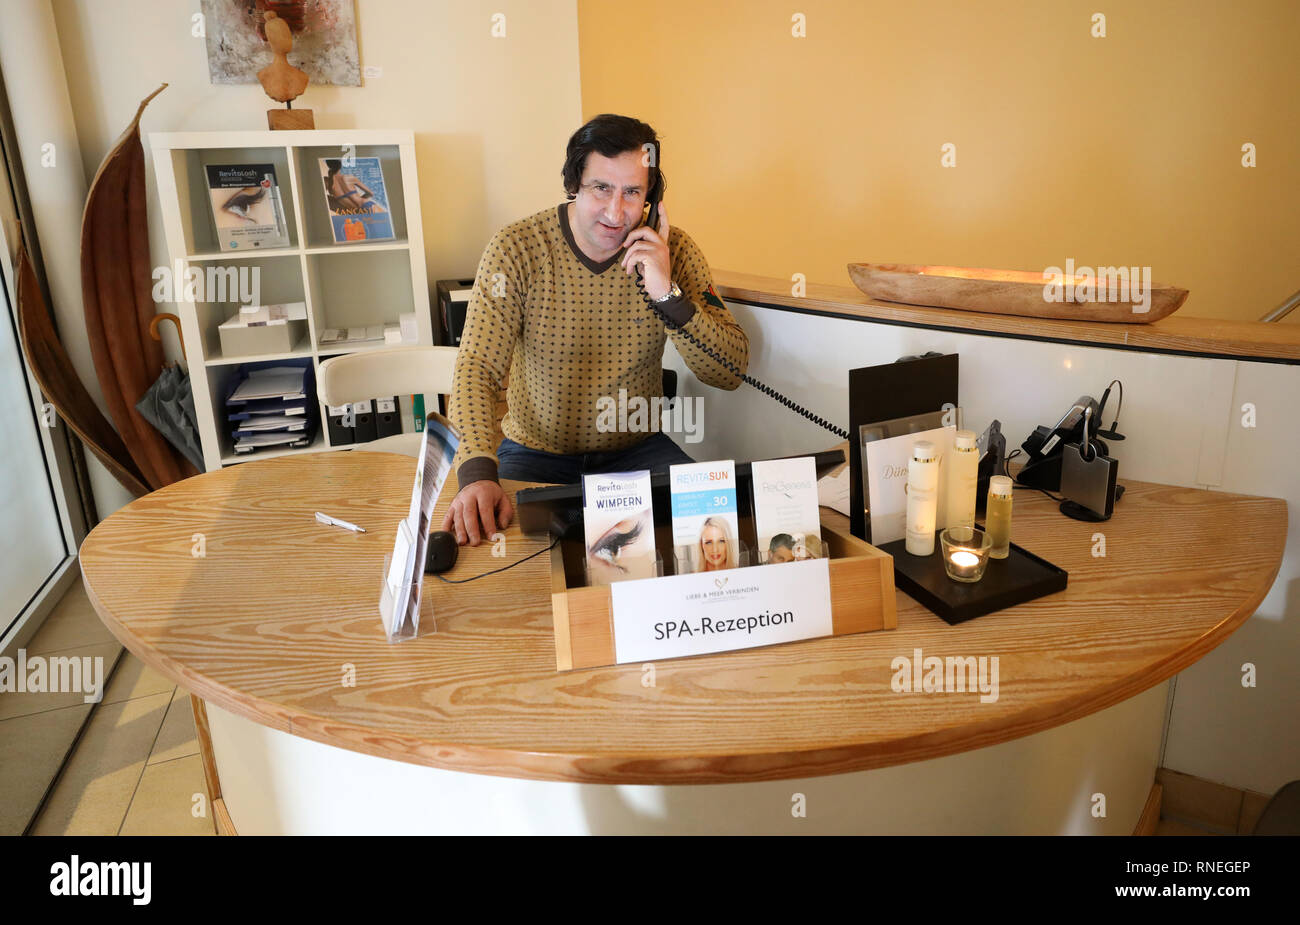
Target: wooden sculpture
x: 62, y: 387
x: 281, y: 80
x: 117, y: 294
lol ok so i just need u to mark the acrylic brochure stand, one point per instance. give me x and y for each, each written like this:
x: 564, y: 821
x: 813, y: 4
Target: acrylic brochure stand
x: 406, y: 623
x: 399, y: 601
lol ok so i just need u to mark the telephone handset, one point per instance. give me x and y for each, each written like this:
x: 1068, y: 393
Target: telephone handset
x: 1080, y: 425
x: 652, y: 217
x: 653, y: 197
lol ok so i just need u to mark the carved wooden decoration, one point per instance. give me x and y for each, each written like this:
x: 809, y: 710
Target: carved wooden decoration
x: 282, y: 81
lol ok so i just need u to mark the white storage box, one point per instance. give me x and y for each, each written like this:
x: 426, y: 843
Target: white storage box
x: 262, y: 329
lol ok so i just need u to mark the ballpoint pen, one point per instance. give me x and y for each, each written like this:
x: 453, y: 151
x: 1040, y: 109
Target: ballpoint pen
x: 335, y: 522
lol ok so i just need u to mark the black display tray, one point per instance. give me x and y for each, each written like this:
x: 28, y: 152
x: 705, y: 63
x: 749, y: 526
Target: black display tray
x: 1021, y: 576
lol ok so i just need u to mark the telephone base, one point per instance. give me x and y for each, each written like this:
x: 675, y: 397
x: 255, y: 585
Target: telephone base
x: 1077, y: 511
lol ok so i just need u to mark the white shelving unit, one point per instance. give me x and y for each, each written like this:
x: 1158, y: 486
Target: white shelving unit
x: 343, y: 285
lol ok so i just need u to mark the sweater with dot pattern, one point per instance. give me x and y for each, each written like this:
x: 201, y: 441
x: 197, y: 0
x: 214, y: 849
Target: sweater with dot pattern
x: 571, y: 332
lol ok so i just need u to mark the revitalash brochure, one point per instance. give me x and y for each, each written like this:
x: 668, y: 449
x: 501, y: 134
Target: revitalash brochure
x: 619, y: 525
x: 705, y: 529
x: 785, y: 509
x: 246, y: 207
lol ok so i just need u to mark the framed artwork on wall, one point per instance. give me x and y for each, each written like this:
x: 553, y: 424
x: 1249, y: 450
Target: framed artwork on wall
x: 324, y: 39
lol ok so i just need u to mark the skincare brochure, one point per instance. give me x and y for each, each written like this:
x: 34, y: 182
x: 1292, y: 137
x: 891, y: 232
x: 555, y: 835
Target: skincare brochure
x: 705, y: 528
x: 246, y: 206
x: 356, y: 199
x: 785, y: 509
x: 885, y: 463
x: 619, y: 525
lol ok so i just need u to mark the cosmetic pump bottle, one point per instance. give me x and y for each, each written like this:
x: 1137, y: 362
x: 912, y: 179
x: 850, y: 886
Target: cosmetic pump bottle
x: 997, y: 516
x: 963, y: 473
x: 922, y: 498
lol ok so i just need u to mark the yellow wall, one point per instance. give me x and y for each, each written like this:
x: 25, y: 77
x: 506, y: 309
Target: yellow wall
x: 788, y: 155
x: 478, y: 105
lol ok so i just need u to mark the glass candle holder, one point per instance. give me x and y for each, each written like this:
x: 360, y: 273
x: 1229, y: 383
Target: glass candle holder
x: 965, y: 553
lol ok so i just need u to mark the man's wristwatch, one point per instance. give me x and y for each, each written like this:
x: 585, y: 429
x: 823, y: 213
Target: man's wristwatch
x: 674, y: 292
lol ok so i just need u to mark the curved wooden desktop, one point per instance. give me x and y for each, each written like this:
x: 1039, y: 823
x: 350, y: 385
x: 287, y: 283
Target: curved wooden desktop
x: 227, y: 584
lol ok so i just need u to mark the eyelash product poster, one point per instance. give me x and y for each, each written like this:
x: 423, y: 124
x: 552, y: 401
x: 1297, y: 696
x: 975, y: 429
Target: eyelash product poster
x: 618, y: 524
x: 246, y: 206
x: 705, y: 527
x: 785, y: 509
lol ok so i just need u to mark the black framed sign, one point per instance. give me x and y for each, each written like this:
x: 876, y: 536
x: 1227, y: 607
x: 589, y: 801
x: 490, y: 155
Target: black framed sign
x: 883, y: 393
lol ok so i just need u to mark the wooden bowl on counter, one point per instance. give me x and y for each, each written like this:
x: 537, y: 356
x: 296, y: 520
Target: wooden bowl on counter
x: 1108, y: 296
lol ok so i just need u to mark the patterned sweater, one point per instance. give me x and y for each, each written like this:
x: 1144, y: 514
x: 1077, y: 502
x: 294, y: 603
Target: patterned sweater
x: 570, y: 332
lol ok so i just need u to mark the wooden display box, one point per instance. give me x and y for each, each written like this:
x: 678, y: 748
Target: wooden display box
x: 861, y: 594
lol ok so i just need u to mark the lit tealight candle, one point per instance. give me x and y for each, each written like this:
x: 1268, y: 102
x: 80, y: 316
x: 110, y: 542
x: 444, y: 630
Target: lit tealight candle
x: 964, y: 563
x: 965, y: 559
x: 965, y: 554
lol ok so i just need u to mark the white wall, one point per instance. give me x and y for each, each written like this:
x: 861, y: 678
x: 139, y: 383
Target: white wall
x: 49, y: 154
x: 1220, y: 730
x: 275, y: 783
x: 1182, y: 418
x: 491, y: 115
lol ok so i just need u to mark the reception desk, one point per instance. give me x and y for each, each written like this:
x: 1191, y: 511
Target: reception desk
x: 312, y: 722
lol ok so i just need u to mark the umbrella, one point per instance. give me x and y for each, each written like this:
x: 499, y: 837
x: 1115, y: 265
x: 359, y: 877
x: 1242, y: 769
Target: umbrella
x: 168, y: 405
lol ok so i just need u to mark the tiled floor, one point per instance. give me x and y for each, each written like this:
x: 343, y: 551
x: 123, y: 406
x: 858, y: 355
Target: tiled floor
x: 1193, y: 806
x: 37, y: 730
x: 135, y: 769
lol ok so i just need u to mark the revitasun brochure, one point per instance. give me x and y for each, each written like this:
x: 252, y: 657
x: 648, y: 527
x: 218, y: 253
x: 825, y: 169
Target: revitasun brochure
x: 705, y: 529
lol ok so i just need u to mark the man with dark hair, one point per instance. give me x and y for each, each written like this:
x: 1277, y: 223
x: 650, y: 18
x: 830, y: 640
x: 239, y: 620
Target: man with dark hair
x: 781, y: 548
x: 555, y: 305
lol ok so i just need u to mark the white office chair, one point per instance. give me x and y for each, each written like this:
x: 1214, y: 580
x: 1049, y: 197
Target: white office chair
x: 360, y: 376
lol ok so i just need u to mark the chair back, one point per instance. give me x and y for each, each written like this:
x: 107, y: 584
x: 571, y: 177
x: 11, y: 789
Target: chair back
x: 367, y: 374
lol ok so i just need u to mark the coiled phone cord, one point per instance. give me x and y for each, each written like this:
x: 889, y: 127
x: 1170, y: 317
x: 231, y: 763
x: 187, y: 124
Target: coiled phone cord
x: 765, y: 389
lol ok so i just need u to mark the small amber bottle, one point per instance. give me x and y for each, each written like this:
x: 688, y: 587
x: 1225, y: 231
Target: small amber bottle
x: 997, y: 517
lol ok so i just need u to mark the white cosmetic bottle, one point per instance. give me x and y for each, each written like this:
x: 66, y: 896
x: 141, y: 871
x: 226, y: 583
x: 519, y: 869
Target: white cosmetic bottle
x: 922, y: 498
x: 963, y: 471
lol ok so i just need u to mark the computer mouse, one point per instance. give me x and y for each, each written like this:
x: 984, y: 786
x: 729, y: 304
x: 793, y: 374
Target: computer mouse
x: 441, y: 553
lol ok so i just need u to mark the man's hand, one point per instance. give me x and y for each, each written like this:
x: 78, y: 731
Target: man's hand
x: 479, y: 509
x: 650, y: 250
